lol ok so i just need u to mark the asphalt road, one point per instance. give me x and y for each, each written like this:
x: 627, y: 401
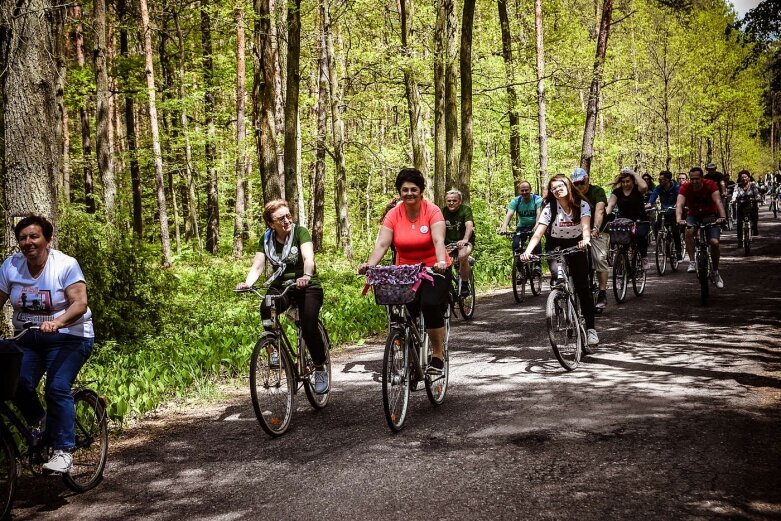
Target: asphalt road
x: 676, y: 416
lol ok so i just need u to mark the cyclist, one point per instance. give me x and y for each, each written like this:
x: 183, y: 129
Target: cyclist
x: 460, y: 229
x: 566, y: 221
x: 650, y: 186
x: 597, y: 199
x: 717, y: 177
x: 288, y: 249
x: 48, y: 288
x: 667, y: 193
x: 526, y: 207
x: 701, y: 197
x: 627, y: 196
x: 417, y: 229
x: 683, y: 178
x: 745, y: 188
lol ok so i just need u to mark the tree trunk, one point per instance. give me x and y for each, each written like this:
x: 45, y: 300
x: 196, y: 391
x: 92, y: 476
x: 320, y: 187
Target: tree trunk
x: 465, y: 59
x: 103, y: 115
x: 241, y: 156
x: 165, y: 239
x: 291, y: 105
x: 541, y: 122
x: 86, y: 138
x: 209, y: 99
x: 65, y: 185
x: 451, y: 91
x: 335, y: 72
x: 440, y: 158
x: 321, y: 110
x: 512, y: 95
x: 279, y: 59
x: 587, y: 150
x: 30, y: 57
x: 417, y: 137
x: 263, y: 100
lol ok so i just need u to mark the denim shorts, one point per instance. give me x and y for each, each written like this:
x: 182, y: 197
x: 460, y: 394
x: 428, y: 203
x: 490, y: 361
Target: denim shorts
x: 713, y: 232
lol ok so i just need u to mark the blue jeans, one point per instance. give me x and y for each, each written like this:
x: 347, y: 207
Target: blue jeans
x: 60, y: 356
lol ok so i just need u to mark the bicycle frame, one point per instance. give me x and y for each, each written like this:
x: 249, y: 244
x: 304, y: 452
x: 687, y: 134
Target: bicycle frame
x: 400, y: 320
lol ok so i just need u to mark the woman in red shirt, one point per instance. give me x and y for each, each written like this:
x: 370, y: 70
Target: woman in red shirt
x: 416, y: 229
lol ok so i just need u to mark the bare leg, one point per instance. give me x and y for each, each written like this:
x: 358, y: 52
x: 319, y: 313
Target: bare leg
x: 690, y: 243
x: 715, y: 253
x: 437, y: 338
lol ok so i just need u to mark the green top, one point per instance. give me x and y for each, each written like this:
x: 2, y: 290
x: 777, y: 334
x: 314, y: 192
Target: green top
x: 455, y: 222
x: 596, y: 194
x: 294, y: 267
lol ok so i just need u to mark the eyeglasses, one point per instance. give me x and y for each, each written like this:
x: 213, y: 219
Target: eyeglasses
x: 579, y: 183
x: 525, y: 191
x: 283, y: 218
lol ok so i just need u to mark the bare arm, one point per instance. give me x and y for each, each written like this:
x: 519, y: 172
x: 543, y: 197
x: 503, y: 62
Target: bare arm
x: 716, y: 196
x: 258, y: 264
x: 308, y: 254
x: 506, y: 222
x: 438, y: 236
x: 679, y: 204
x: 469, y: 227
x: 77, y: 305
x: 611, y: 203
x: 535, y: 239
x: 599, y: 210
x: 384, y: 240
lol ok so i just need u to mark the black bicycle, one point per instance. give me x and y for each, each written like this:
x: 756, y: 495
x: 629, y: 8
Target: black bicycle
x: 21, y: 447
x: 666, y: 252
x: 702, y: 258
x: 278, y: 371
x: 524, y: 272
x: 746, y: 209
x: 628, y: 264
x: 462, y: 293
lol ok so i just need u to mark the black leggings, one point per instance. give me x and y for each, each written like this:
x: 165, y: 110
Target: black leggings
x: 432, y: 301
x: 753, y: 213
x: 578, y: 268
x: 309, y: 301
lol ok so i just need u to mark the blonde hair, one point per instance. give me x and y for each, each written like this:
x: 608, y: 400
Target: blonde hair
x: 455, y: 191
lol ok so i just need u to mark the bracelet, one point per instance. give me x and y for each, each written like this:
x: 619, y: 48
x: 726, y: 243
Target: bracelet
x: 307, y: 275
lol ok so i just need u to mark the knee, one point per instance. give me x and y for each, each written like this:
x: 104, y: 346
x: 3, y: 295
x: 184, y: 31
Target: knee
x: 58, y: 388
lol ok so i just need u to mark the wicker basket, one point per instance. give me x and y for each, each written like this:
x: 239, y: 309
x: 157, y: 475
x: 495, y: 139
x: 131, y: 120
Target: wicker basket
x: 393, y: 285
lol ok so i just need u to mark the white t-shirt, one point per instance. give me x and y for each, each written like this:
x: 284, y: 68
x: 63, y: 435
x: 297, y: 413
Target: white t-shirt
x: 563, y: 226
x: 43, y: 298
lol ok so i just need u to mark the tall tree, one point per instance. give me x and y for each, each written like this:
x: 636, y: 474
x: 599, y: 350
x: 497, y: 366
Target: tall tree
x: 512, y: 94
x: 212, y: 194
x: 589, y: 132
x: 103, y: 116
x: 542, y: 128
x: 86, y: 136
x: 440, y: 57
x: 321, y: 115
x: 291, y: 104
x: 465, y: 60
x: 241, y: 156
x: 451, y: 91
x: 417, y: 137
x: 162, y: 210
x: 30, y: 52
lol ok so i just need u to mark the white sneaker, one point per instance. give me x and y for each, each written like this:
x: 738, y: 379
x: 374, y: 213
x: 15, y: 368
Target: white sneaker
x: 321, y: 381
x: 61, y: 462
x: 593, y: 339
x: 717, y: 280
x: 646, y: 265
x: 692, y: 267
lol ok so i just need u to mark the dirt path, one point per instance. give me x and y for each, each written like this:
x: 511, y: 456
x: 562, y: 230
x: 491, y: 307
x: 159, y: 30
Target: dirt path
x: 676, y: 416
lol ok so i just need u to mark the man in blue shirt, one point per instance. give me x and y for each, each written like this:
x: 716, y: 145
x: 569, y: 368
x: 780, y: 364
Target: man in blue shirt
x: 667, y: 193
x: 526, y: 208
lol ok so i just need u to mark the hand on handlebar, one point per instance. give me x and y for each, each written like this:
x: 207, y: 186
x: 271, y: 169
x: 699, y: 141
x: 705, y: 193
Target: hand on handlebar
x: 49, y: 327
x: 584, y: 244
x: 241, y: 286
x: 527, y: 257
x: 362, y: 268
x: 440, y: 266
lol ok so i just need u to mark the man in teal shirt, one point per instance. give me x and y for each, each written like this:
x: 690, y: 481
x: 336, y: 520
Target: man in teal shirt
x: 460, y: 230
x: 526, y: 208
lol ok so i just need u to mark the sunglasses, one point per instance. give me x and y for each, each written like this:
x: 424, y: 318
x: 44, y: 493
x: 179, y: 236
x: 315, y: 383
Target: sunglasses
x: 579, y: 183
x: 283, y: 218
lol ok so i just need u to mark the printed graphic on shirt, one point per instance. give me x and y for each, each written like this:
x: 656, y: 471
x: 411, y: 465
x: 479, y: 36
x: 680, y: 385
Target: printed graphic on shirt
x: 34, y: 300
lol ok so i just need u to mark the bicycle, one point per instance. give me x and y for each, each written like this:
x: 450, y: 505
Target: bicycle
x: 563, y: 318
x: 466, y: 302
x: 746, y: 209
x: 523, y: 272
x: 278, y: 371
x: 665, y: 243
x: 628, y: 264
x: 407, y: 354
x: 702, y: 258
x: 21, y: 446
x: 775, y: 195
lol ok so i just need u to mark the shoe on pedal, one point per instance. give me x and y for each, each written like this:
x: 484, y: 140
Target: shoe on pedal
x: 465, y: 291
x: 60, y: 462
x: 692, y: 267
x: 593, y: 338
x: 321, y: 381
x: 645, y: 263
x: 601, y: 300
x: 436, y: 367
x: 717, y: 280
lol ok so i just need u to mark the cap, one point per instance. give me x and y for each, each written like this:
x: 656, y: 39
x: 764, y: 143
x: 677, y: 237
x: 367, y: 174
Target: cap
x: 627, y: 170
x: 710, y: 166
x: 578, y: 175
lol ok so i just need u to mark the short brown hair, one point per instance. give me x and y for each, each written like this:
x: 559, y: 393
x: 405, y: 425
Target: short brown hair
x: 271, y: 207
x: 46, y: 227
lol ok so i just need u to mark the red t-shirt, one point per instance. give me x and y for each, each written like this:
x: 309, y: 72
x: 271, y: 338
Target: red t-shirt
x: 412, y: 240
x: 700, y: 202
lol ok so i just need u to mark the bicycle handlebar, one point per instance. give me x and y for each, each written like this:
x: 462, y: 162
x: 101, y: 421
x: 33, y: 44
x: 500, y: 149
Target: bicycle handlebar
x: 27, y: 327
x: 556, y: 254
x: 254, y: 289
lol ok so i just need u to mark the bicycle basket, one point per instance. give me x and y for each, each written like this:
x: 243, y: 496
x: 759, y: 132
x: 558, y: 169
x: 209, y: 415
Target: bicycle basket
x: 10, y: 367
x: 621, y: 231
x: 393, y: 284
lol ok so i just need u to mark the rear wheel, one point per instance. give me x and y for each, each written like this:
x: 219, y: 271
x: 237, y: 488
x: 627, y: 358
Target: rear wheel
x: 746, y: 237
x: 8, y: 473
x: 395, y: 380
x: 661, y: 254
x: 564, y: 330
x: 318, y: 401
x: 467, y: 304
x: 436, y: 386
x: 639, y: 275
x: 535, y: 281
x: 672, y: 253
x: 703, y: 275
x: 774, y: 206
x: 271, y: 386
x: 91, y: 450
x: 620, y: 276
x: 519, y: 283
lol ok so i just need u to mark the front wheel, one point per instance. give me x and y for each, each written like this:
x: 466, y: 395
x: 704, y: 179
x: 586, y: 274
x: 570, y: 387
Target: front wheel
x: 318, y: 401
x: 639, y: 275
x: 535, y: 281
x: 703, y: 275
x: 8, y: 474
x: 564, y: 330
x: 747, y: 238
x: 91, y: 449
x: 519, y: 283
x: 271, y: 386
x: 436, y: 386
x: 620, y: 276
x: 661, y: 255
x: 395, y: 380
x: 467, y: 304
x: 672, y: 254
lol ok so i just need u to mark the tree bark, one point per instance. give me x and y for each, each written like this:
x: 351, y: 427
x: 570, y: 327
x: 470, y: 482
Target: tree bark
x: 417, y: 137
x: 65, y: 186
x: 86, y: 138
x: 291, y: 105
x: 587, y: 150
x: 321, y: 111
x: 263, y: 100
x: 467, y: 139
x: 165, y: 239
x: 512, y: 95
x: 542, y: 138
x: 440, y: 140
x: 451, y: 91
x: 30, y: 57
x: 241, y: 156
x: 169, y: 117
x: 212, y: 194
x: 103, y: 115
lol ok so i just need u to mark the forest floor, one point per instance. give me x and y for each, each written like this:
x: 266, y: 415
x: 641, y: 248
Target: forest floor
x: 676, y: 416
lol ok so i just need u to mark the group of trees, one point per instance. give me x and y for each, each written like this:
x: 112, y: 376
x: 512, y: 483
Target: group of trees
x: 148, y: 114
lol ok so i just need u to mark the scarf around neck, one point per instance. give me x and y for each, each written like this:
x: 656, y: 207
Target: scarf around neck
x: 280, y: 262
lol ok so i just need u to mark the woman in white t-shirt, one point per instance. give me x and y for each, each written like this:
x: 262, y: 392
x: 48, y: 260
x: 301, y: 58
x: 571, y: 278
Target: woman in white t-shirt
x: 46, y: 287
x: 566, y: 221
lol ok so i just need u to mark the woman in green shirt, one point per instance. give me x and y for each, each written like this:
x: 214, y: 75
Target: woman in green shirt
x: 288, y: 249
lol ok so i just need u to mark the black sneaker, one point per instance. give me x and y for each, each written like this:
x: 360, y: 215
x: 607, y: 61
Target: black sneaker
x: 436, y: 367
x: 601, y: 299
x: 465, y: 291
